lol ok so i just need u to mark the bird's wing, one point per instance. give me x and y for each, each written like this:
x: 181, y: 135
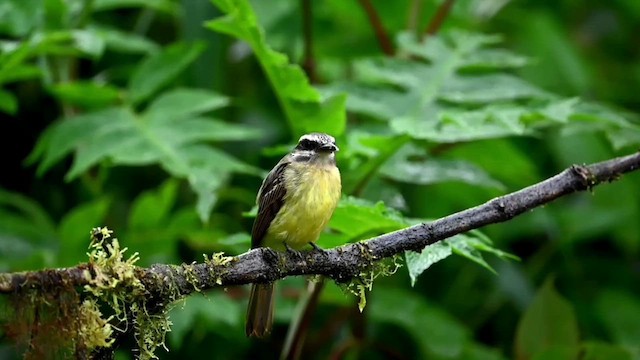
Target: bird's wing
x: 270, y: 200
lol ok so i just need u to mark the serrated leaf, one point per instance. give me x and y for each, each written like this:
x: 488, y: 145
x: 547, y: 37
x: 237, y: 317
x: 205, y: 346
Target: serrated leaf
x: 178, y: 104
x: 469, y: 245
x: 460, y: 93
x: 434, y: 171
x: 305, y: 109
x: 549, y: 323
x: 159, y: 69
x: 175, y: 143
x: 417, y: 263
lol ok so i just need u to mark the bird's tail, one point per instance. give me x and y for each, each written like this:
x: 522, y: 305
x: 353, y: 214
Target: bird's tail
x: 260, y: 310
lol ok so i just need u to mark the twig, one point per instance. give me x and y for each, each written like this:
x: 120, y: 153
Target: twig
x: 378, y: 27
x: 342, y: 263
x: 308, y: 62
x: 437, y: 20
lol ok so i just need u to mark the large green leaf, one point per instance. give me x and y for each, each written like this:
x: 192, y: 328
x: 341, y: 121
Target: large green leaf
x: 159, y: 69
x: 403, y: 168
x: 171, y: 133
x: 454, y: 88
x: 436, y: 332
x: 549, y: 326
x: 305, y: 109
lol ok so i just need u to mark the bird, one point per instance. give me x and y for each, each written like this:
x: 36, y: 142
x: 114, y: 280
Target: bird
x: 295, y: 203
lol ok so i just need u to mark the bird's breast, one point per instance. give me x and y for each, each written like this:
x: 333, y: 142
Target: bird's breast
x: 312, y: 193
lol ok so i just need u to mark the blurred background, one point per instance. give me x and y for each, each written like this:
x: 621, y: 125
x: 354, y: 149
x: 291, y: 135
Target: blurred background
x: 152, y: 119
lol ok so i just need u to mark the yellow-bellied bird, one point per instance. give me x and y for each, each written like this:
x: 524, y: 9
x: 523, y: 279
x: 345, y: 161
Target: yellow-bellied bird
x: 295, y: 202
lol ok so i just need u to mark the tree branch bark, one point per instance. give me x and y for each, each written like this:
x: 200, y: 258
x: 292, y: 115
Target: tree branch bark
x: 164, y: 282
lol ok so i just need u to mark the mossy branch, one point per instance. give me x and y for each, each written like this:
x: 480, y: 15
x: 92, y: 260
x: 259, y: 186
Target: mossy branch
x: 165, y: 283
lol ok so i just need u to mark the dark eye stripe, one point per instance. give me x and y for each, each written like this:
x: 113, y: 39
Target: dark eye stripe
x: 306, y: 144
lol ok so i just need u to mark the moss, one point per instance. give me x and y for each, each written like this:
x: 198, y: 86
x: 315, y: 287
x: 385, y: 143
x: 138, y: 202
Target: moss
x: 364, y: 280
x: 216, y: 261
x: 114, y: 281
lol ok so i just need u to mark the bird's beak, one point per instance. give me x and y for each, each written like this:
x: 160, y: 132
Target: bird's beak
x: 328, y: 148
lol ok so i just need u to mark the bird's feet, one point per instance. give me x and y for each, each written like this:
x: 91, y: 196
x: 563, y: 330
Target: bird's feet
x: 295, y: 253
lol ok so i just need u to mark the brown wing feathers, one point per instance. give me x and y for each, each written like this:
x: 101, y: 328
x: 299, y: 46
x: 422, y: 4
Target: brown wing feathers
x: 270, y: 200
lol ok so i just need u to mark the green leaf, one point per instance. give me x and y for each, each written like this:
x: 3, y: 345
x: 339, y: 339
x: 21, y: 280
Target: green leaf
x: 88, y: 42
x: 88, y: 95
x: 176, y: 143
x: 215, y: 312
x: 160, y: 69
x: 74, y: 230
x: 28, y: 239
x: 305, y: 109
x: 17, y: 17
x: 417, y: 263
x: 432, y: 171
x: 125, y: 42
x: 356, y: 218
x: 8, y: 102
x: 9, y: 74
x: 151, y: 208
x: 603, y: 351
x: 165, y: 6
x: 181, y: 103
x: 548, y: 323
x: 469, y: 245
x: 437, y: 333
x: 620, y: 313
x: 438, y: 91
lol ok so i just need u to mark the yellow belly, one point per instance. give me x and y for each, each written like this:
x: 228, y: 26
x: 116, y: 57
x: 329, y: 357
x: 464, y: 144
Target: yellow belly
x: 311, y: 197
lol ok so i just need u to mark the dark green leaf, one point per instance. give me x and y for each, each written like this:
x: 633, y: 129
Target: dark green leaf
x: 74, y: 230
x: 549, y: 323
x: 8, y: 102
x: 435, y: 331
x: 603, y: 351
x: 620, y: 313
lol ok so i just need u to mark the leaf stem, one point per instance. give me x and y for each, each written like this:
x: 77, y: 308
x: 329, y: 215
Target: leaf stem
x: 381, y: 33
x: 438, y: 19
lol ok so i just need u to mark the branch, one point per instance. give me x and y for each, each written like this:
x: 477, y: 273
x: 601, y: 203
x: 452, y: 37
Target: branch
x: 343, y: 263
x: 437, y: 20
x: 378, y: 27
x: 308, y: 62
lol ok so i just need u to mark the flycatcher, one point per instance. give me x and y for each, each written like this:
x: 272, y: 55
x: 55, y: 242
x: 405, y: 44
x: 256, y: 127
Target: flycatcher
x: 295, y: 202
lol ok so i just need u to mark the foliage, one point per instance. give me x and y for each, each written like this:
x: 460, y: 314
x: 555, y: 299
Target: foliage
x: 159, y: 118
